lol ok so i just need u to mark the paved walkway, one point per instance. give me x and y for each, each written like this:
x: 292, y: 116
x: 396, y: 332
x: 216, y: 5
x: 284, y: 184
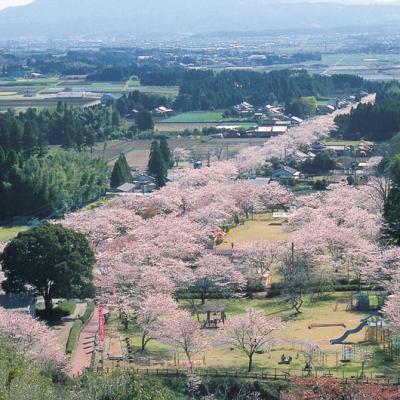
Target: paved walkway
x: 83, y: 354
x: 63, y: 328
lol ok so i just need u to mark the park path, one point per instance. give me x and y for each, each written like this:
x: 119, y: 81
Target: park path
x: 63, y: 328
x: 86, y: 346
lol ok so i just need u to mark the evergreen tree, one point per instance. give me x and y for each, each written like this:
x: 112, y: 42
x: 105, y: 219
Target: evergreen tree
x: 144, y: 121
x: 392, y: 204
x: 157, y: 167
x: 166, y: 152
x: 121, y: 172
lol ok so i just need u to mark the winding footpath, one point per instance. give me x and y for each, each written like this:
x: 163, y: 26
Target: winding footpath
x: 85, y: 348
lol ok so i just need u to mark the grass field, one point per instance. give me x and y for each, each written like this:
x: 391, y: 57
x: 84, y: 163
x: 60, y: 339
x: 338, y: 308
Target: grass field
x: 290, y: 339
x: 9, y: 232
x: 262, y: 227
x: 193, y: 117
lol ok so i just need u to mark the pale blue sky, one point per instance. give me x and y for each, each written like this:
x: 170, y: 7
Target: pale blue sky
x: 10, y: 3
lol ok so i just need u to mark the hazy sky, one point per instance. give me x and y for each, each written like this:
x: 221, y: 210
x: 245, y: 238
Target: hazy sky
x: 10, y: 3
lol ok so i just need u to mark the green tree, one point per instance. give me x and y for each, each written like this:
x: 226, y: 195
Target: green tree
x: 157, y: 167
x: 166, y: 152
x: 121, y: 172
x: 51, y: 261
x: 392, y: 203
x: 144, y: 121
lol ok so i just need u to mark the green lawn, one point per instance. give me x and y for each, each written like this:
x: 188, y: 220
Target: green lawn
x: 9, y: 232
x: 296, y: 331
x: 193, y: 117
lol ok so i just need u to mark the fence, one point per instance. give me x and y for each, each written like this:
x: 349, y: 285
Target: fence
x: 265, y: 375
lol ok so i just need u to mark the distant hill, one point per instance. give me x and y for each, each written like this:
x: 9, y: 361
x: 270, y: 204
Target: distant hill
x: 56, y: 18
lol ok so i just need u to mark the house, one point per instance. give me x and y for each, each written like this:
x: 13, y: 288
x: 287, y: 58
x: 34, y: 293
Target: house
x: 299, y: 156
x: 268, y: 131
x: 330, y: 109
x: 340, y: 150
x: 126, y: 188
x: 244, y: 108
x: 144, y: 183
x: 231, y: 134
x: 22, y: 303
x: 217, y: 136
x: 109, y: 98
x: 286, y: 173
x: 296, y: 121
x: 163, y: 111
x: 317, y: 147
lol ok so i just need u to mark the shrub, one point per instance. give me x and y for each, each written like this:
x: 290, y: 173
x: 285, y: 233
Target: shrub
x: 66, y: 308
x: 88, y: 312
x: 73, y: 336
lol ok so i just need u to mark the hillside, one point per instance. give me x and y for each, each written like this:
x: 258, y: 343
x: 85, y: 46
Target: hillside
x: 72, y: 17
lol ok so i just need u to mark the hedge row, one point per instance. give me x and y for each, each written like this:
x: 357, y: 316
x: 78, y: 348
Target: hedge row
x: 88, y: 312
x: 73, y: 336
x: 77, y: 327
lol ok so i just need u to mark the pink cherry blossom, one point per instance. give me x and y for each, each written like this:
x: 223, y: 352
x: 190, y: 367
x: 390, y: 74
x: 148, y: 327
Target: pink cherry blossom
x: 250, y: 332
x: 31, y: 337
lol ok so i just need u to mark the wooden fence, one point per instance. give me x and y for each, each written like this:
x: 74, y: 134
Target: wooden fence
x: 265, y: 375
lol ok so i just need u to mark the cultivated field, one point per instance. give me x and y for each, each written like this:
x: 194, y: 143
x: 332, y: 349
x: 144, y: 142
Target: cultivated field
x: 137, y: 151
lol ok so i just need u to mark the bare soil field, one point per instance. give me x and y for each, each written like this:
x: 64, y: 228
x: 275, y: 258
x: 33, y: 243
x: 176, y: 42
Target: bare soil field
x: 137, y: 151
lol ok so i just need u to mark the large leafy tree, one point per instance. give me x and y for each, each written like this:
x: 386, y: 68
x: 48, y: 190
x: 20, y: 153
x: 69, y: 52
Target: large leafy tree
x: 392, y: 203
x: 144, y: 121
x: 51, y: 261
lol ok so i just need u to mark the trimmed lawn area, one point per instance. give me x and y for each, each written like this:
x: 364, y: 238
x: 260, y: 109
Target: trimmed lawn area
x: 262, y: 227
x: 9, y: 232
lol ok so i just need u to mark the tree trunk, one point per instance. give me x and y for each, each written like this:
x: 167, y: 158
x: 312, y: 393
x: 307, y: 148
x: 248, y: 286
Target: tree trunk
x: 144, y: 342
x: 250, y: 363
x: 48, y: 303
x: 203, y: 298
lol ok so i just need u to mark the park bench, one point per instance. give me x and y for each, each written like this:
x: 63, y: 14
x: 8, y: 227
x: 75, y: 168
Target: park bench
x: 326, y: 325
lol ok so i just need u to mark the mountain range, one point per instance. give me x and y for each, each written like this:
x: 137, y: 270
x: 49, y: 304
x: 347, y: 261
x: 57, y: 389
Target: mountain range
x: 61, y: 18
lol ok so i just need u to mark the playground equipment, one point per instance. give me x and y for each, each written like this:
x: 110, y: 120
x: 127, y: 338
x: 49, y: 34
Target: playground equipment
x: 326, y: 325
x: 363, y: 323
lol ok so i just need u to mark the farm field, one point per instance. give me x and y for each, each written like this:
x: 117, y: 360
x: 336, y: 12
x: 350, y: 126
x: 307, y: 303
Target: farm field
x: 192, y: 117
x: 375, y: 66
x: 137, y: 151
x: 40, y: 91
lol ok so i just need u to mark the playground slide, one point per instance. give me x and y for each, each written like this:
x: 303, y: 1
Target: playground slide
x: 342, y: 338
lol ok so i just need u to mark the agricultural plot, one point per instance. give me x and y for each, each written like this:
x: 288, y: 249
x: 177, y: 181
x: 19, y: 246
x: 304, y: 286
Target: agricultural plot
x: 196, y: 117
x: 137, y: 151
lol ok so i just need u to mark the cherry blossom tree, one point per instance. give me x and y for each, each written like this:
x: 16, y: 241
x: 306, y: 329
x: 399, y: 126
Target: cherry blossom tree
x: 257, y: 258
x: 181, y: 332
x: 216, y: 273
x: 31, y: 337
x: 180, y: 154
x: 150, y: 314
x: 250, y: 332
